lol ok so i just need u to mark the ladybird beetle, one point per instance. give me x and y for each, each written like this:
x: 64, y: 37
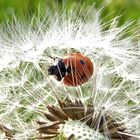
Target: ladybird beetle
x: 75, y: 69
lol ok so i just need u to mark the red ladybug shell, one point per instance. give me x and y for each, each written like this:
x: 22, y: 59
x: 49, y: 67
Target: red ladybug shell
x: 81, y: 69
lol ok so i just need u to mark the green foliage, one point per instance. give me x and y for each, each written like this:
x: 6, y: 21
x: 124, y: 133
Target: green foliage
x: 126, y: 9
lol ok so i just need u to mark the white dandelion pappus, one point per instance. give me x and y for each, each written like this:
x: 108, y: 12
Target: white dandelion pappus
x: 114, y: 89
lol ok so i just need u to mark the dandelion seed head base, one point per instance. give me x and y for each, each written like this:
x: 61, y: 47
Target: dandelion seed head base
x: 73, y: 119
x: 80, y: 131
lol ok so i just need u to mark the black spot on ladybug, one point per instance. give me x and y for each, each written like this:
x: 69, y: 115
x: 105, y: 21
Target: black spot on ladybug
x: 82, y: 62
x: 69, y: 69
x: 82, y: 77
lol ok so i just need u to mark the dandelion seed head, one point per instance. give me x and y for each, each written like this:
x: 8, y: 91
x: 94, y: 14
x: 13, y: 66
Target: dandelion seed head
x: 27, y: 51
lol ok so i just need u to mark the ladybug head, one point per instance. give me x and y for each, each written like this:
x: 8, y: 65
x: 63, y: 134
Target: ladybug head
x: 58, y: 70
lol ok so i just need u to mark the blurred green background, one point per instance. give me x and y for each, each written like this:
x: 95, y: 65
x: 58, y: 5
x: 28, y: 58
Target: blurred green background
x: 126, y: 9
